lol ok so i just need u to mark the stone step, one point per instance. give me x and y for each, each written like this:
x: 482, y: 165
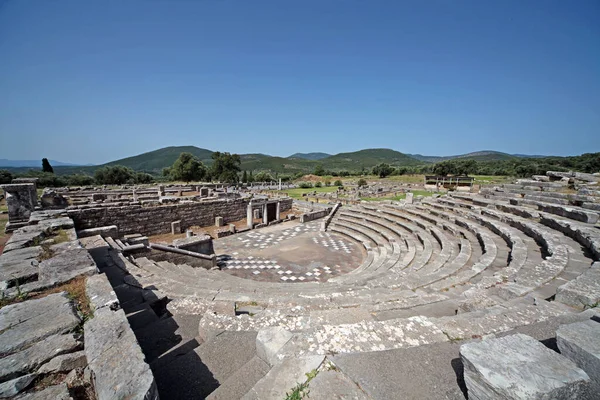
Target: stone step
x: 202, y: 370
x: 582, y: 292
x: 242, y: 380
x: 169, y: 338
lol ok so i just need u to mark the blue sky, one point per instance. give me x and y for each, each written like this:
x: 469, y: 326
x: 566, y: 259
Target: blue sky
x: 94, y: 81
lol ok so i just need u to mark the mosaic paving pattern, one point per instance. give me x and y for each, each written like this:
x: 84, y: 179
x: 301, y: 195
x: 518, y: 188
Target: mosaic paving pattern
x: 263, y: 240
x: 296, y: 253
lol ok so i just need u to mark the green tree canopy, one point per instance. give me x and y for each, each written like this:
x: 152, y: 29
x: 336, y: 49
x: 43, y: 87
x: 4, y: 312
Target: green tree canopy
x: 114, y: 175
x: 188, y: 168
x: 319, y: 170
x: 5, y: 176
x: 383, y: 170
x: 46, y: 167
x: 225, y: 167
x: 263, y: 177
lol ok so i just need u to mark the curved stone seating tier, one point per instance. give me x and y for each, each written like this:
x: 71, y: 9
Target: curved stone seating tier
x: 457, y: 255
x: 587, y: 235
x: 562, y: 258
x: 545, y: 203
x: 585, y: 202
x: 518, y: 244
x: 351, y: 331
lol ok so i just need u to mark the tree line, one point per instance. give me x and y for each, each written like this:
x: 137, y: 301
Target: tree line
x: 226, y: 168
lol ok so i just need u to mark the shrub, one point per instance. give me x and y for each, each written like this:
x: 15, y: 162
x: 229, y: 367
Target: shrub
x: 318, y: 184
x: 114, y: 175
x: 5, y: 176
x: 305, y: 185
x: 362, y: 182
x: 338, y: 183
x: 80, y: 180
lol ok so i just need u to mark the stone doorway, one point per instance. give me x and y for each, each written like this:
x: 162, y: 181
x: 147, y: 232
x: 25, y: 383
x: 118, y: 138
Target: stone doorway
x: 271, y: 212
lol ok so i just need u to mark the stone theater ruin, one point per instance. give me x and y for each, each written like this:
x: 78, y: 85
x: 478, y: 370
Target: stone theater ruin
x: 240, y: 292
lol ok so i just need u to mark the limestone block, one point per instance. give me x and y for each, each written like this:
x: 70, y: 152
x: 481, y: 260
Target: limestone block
x: 519, y: 367
x: 25, y: 323
x: 106, y: 231
x: 175, y: 227
x: 219, y: 222
x: 56, y: 392
x: 15, y: 386
x: 580, y: 343
x: 283, y: 378
x: 115, y: 358
x: 269, y: 341
x: 232, y: 228
x: 198, y: 244
x: 583, y: 291
x: 36, y: 355
x: 101, y: 293
x: 409, y: 198
x: 64, y: 362
x: 20, y: 200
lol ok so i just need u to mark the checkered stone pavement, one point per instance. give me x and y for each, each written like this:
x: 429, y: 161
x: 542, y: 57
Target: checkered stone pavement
x: 296, y: 253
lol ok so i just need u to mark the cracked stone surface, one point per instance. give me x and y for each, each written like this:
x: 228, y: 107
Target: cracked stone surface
x: 23, y: 324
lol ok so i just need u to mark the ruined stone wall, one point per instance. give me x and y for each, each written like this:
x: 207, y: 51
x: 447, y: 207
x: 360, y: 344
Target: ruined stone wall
x: 286, y: 204
x: 157, y: 220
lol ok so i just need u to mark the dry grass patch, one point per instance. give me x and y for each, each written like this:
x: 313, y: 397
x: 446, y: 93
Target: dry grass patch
x: 75, y: 289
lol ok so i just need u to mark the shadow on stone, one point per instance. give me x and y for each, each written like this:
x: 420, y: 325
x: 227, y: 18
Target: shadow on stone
x: 458, y: 368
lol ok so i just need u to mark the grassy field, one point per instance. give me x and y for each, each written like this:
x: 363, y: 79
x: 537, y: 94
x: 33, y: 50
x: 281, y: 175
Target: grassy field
x: 298, y: 192
x: 490, y: 179
x: 423, y: 193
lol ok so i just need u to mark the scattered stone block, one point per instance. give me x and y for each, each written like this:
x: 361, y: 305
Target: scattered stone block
x: 580, y: 343
x: 519, y: 367
x: 175, y: 227
x: 219, y: 222
x: 409, y: 198
x: 232, y: 228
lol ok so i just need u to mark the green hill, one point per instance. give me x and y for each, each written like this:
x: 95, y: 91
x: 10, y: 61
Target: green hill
x: 310, y: 156
x: 368, y: 158
x: 263, y: 162
x: 486, y: 155
x: 155, y: 161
